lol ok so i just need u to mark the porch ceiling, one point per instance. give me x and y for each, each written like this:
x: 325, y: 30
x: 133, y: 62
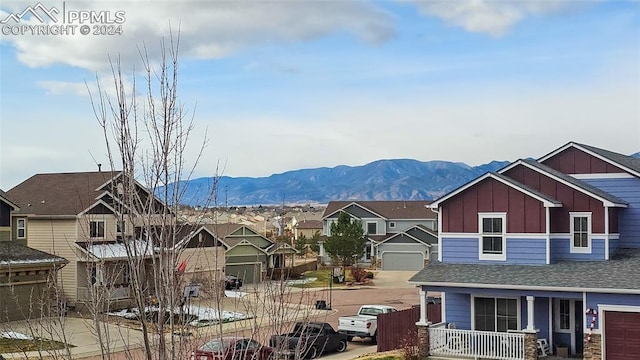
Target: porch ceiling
x: 621, y: 273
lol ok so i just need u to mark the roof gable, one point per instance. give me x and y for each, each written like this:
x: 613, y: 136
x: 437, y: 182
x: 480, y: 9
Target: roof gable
x: 624, y: 162
x: 4, y: 199
x: 546, y: 200
x: 402, y: 238
x: 590, y: 190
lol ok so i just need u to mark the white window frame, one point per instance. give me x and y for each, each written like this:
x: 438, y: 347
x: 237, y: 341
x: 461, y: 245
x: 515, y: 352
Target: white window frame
x: 572, y: 319
x: 496, y: 257
x: 473, y: 310
x: 392, y: 224
x: 22, y: 227
x: 367, y: 228
x: 580, y: 249
x: 104, y: 230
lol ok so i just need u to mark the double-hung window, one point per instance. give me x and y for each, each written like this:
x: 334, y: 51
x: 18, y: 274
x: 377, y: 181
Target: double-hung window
x: 495, y: 314
x: 96, y: 229
x: 372, y: 228
x: 21, y: 227
x: 492, y: 231
x: 580, y: 232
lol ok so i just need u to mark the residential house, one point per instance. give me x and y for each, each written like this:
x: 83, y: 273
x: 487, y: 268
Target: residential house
x: 80, y: 217
x: 401, y: 235
x: 543, y: 250
x: 248, y: 254
x: 307, y: 228
x: 26, y: 274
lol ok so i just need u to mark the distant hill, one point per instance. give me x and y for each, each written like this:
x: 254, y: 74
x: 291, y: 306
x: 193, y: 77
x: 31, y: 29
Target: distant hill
x: 400, y: 179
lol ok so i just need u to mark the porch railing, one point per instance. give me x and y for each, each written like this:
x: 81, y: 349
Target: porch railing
x: 476, y: 344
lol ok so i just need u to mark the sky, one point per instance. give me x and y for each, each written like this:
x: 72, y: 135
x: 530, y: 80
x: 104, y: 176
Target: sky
x: 273, y: 86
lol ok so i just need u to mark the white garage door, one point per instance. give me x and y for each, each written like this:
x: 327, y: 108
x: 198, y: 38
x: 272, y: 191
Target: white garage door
x: 402, y: 261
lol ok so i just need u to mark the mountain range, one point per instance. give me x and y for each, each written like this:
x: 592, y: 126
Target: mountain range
x: 396, y: 179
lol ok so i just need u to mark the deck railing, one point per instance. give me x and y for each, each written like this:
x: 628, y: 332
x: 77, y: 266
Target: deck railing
x: 476, y: 344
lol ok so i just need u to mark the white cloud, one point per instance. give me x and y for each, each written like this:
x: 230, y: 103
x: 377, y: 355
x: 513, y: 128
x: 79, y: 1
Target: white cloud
x: 494, y: 17
x: 208, y: 29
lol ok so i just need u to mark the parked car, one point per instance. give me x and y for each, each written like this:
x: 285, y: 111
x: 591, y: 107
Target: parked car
x: 365, y: 323
x: 232, y: 282
x: 309, y: 340
x: 233, y: 348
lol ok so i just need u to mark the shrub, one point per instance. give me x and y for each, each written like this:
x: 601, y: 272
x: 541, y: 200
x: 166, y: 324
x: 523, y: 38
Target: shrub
x: 409, y: 346
x: 369, y: 275
x: 358, y: 274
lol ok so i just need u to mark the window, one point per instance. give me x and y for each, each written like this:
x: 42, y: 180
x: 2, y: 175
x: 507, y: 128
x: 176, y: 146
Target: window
x: 492, y: 236
x: 392, y: 225
x: 495, y: 314
x: 121, y: 227
x: 564, y: 315
x: 96, y: 229
x: 126, y: 274
x: 22, y: 228
x: 372, y: 228
x: 580, y: 232
x: 367, y: 251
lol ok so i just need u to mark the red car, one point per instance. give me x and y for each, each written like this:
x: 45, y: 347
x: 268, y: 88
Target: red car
x: 233, y: 348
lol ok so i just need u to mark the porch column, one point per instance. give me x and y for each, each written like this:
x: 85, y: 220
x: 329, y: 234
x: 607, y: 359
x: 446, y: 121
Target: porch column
x: 530, y: 324
x: 423, y: 308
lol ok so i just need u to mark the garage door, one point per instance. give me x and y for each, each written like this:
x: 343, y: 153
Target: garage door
x: 249, y: 273
x: 622, y: 331
x: 402, y: 261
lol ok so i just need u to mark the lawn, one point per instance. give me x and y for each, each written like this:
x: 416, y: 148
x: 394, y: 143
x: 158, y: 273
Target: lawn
x: 322, y: 278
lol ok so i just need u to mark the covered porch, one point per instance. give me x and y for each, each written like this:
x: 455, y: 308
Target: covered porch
x: 505, y: 324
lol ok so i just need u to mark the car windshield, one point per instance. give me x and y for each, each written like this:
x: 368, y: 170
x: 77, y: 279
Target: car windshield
x: 216, y: 345
x: 370, y: 311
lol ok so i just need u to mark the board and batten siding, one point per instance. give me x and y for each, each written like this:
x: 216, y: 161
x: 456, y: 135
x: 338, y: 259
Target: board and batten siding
x: 561, y: 249
x: 520, y: 251
x: 627, y: 189
x: 524, y: 213
x: 57, y: 237
x: 595, y: 299
x: 575, y: 161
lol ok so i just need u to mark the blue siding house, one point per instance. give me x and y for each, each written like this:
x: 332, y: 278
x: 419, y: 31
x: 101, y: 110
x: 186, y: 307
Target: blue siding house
x: 540, y: 255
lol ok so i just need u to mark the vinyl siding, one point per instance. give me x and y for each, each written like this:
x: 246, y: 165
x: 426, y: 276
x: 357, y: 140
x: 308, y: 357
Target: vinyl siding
x: 57, y: 237
x: 627, y: 189
x: 595, y: 299
x: 561, y: 250
x: 520, y: 251
x: 403, y: 225
x: 458, y: 309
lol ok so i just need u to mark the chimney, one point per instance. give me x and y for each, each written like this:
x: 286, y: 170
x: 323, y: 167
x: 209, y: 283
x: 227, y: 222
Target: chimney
x: 99, y: 167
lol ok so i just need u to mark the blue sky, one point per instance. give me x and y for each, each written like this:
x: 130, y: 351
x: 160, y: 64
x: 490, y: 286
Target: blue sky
x: 283, y: 85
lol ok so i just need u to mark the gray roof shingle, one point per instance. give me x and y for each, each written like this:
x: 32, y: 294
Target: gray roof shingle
x: 13, y: 253
x: 627, y: 161
x: 393, y: 210
x: 622, y: 272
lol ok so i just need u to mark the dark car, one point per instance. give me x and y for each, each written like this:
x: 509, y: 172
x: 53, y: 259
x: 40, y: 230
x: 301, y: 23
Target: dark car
x: 233, y: 348
x: 308, y: 341
x: 232, y: 282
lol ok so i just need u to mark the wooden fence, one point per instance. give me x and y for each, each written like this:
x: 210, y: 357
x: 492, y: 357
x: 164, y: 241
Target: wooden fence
x: 399, y: 329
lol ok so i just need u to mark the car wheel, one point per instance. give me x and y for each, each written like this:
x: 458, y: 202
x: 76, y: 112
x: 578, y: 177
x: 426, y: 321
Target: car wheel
x: 342, y: 346
x: 313, y: 353
x: 349, y: 338
x: 374, y: 338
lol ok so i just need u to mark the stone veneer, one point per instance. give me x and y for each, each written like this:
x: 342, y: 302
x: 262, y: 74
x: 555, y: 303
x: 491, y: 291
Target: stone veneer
x: 423, y: 341
x: 530, y: 346
x: 593, y: 349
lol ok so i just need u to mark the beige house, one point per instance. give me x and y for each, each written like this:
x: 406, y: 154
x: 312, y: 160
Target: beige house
x: 25, y: 273
x: 307, y: 228
x: 80, y: 217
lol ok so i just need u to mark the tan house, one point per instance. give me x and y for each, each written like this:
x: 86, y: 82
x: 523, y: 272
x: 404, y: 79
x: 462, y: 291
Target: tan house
x: 26, y: 289
x: 80, y: 217
x: 308, y: 228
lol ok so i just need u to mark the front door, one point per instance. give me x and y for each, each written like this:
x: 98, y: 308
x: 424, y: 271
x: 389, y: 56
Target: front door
x: 579, y: 327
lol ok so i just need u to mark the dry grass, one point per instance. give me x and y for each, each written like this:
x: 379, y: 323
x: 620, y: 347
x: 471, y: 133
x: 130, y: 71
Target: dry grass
x: 19, y: 345
x: 387, y: 355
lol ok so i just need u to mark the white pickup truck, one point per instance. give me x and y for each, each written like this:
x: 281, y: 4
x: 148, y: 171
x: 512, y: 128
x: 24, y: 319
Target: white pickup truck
x: 365, y: 323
